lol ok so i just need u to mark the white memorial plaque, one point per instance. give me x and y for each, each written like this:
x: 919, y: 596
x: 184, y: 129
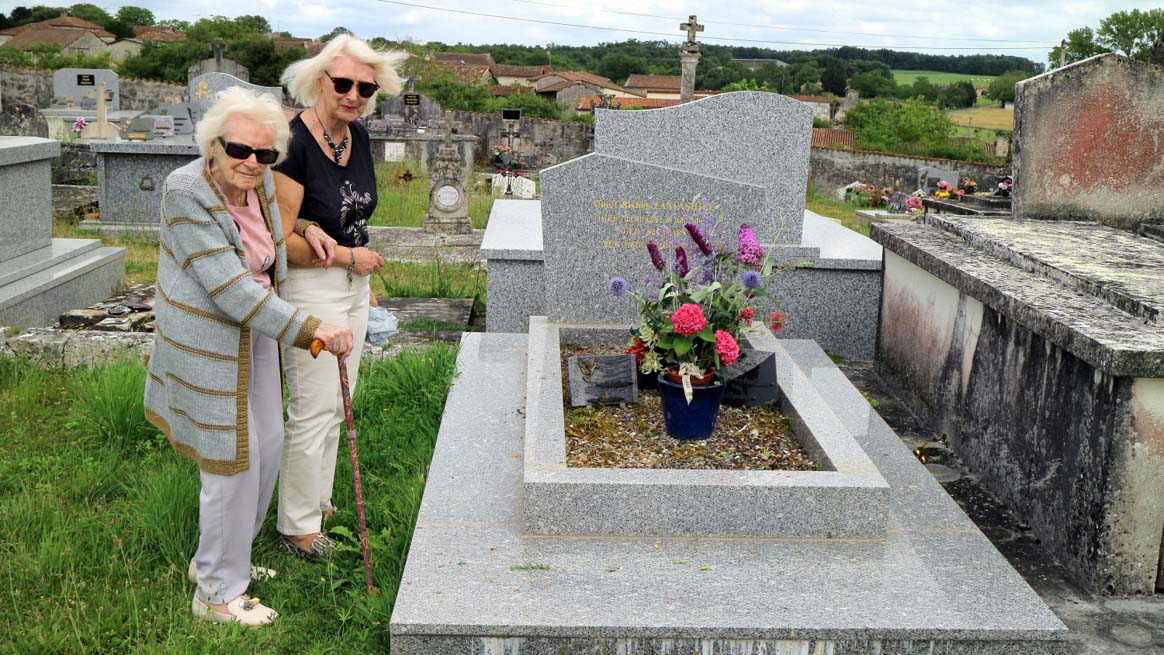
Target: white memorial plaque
x: 393, y: 151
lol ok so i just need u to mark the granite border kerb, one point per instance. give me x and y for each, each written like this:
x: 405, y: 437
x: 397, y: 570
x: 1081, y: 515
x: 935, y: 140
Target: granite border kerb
x: 15, y: 150
x: 567, y: 500
x: 514, y: 231
x: 154, y: 147
x: 1105, y: 337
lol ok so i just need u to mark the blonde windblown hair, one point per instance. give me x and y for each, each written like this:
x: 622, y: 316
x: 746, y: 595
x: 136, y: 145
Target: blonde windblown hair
x: 262, y: 108
x: 300, y: 77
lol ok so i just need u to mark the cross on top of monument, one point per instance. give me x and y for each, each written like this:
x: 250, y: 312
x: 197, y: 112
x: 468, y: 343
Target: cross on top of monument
x: 411, y: 81
x: 692, y: 27
x: 218, y: 46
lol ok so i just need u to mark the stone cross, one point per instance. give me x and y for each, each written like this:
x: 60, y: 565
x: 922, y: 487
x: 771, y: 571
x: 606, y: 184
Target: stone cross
x: 218, y: 46
x: 692, y: 27
x: 410, y: 83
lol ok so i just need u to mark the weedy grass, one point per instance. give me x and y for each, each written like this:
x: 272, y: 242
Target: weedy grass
x: 402, y: 197
x: 99, y: 518
x: 141, y: 252
x: 828, y: 205
x: 432, y: 279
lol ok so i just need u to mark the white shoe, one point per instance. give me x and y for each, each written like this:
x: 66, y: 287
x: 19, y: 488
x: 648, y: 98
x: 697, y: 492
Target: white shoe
x: 244, y: 610
x: 257, y: 572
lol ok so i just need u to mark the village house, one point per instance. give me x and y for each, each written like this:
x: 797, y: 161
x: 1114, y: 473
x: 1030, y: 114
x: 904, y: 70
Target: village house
x: 73, y: 35
x: 567, y: 88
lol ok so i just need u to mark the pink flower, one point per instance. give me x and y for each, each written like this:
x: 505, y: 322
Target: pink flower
x: 777, y: 320
x: 746, y: 315
x: 726, y: 346
x: 688, y: 319
x: 748, y: 250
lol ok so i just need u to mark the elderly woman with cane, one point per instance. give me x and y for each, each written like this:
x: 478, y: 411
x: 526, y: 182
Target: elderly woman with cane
x: 214, y: 383
x: 326, y: 191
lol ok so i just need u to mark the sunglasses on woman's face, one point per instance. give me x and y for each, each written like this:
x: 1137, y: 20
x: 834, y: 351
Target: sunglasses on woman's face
x: 241, y: 151
x: 343, y: 85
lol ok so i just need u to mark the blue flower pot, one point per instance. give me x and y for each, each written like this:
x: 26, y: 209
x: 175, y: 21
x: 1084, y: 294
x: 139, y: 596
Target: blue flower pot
x: 695, y: 420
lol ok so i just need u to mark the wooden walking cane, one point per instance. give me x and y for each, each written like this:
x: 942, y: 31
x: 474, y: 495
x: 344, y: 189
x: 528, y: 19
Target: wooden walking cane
x: 317, y: 346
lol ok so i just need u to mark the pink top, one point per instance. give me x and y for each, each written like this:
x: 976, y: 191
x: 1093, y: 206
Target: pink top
x: 256, y: 238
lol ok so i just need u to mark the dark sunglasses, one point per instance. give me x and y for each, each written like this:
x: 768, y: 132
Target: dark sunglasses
x: 343, y: 85
x: 240, y: 151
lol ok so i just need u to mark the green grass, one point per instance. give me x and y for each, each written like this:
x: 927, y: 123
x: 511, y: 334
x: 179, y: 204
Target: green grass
x: 98, y: 519
x: 429, y: 325
x: 141, y: 252
x: 827, y: 205
x: 405, y: 204
x: 937, y: 77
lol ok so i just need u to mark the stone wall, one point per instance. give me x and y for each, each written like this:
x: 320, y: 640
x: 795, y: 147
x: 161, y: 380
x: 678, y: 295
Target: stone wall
x: 830, y: 168
x: 547, y: 142
x: 34, y: 86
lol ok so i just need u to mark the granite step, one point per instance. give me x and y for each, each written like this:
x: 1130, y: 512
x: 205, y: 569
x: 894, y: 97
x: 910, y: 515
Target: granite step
x: 1117, y: 266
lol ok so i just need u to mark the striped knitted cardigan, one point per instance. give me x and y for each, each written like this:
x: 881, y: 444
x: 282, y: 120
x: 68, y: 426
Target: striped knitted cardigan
x: 206, y: 305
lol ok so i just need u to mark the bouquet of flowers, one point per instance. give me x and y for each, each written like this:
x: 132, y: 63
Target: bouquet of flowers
x: 79, y: 124
x: 946, y: 191
x: 691, y: 326
x: 500, y: 150
x: 914, y: 205
x: 969, y: 186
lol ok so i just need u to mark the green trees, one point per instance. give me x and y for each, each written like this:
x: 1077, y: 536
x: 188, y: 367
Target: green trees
x: 874, y: 84
x: 1002, y: 88
x: 835, y: 78
x: 958, y: 95
x: 334, y: 33
x: 1129, y: 33
x: 911, y: 127
x: 617, y: 66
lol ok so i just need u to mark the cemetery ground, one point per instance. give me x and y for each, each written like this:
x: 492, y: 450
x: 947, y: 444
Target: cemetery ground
x: 100, y: 518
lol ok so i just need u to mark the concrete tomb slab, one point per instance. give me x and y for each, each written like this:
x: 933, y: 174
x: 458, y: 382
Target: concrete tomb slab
x: 477, y: 582
x: 79, y: 85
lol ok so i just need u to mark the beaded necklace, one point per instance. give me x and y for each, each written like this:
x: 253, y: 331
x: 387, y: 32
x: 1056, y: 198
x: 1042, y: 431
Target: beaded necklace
x: 337, y: 152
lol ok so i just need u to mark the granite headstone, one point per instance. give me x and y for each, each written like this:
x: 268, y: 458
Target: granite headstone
x: 928, y: 177
x: 414, y: 109
x: 183, y: 118
x: 79, y: 85
x: 757, y: 138
x: 204, y: 88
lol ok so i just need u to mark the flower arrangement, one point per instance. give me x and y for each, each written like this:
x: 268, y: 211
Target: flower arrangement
x: 500, y: 150
x: 79, y: 125
x: 868, y: 195
x: 691, y: 325
x: 1004, y: 186
x: 914, y: 205
x: 946, y: 191
x: 969, y: 186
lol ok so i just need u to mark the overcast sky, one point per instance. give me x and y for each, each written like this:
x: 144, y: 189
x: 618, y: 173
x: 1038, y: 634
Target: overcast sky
x: 991, y: 26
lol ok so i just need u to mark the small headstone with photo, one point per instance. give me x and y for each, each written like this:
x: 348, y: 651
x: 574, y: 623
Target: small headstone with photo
x: 602, y: 380
x: 139, y: 129
x: 204, y: 88
x: 79, y: 86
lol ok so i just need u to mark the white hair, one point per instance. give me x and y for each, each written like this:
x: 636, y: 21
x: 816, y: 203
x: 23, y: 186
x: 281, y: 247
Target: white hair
x: 300, y: 77
x: 262, y: 108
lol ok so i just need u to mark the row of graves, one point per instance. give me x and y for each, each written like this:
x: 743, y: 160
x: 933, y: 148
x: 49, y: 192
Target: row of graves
x: 531, y: 538
x: 136, y: 150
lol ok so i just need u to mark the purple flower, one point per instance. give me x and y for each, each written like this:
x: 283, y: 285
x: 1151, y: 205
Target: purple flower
x: 656, y: 256
x: 698, y: 238
x: 749, y: 250
x: 616, y: 286
x: 752, y: 280
x: 681, y: 261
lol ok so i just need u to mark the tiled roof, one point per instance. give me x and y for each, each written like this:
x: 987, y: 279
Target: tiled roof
x: 62, y: 22
x: 472, y: 58
x: 310, y: 45
x: 29, y: 38
x: 469, y: 74
x: 585, y: 78
x: 500, y: 70
x: 509, y: 90
x: 824, y: 100
x: 158, y: 33
x: 589, y: 102
x: 827, y: 138
x: 656, y: 82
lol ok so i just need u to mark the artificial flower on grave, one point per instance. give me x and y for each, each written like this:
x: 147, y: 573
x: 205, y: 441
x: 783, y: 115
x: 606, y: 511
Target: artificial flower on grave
x: 79, y: 124
x: 969, y: 186
x: 945, y: 190
x: 914, y: 205
x: 500, y: 150
x: 692, y: 314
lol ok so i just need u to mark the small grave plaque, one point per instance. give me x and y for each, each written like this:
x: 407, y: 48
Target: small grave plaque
x: 139, y: 129
x: 393, y: 151
x: 86, y: 79
x: 602, y: 380
x: 412, y: 99
x: 751, y: 380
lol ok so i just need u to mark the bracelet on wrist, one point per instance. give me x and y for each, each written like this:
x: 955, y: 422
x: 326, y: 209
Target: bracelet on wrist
x: 301, y: 226
x: 351, y: 264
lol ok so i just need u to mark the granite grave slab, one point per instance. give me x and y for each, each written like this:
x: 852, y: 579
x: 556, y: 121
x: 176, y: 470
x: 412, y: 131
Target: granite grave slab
x: 205, y: 87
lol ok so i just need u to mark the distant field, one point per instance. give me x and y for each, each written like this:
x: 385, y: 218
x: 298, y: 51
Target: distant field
x: 937, y: 77
x: 989, y: 117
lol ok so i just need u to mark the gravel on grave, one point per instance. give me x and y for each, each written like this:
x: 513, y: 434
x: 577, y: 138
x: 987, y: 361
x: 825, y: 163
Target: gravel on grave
x: 634, y: 436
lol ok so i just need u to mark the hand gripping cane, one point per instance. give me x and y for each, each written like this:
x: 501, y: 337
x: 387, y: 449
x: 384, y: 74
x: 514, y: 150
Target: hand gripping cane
x: 316, y: 347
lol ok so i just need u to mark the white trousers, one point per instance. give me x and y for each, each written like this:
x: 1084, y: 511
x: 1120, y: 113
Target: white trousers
x: 315, y: 410
x: 231, y: 508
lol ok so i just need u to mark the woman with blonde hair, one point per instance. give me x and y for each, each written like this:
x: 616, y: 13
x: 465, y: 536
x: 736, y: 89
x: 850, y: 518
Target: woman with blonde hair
x: 326, y: 190
x: 214, y: 386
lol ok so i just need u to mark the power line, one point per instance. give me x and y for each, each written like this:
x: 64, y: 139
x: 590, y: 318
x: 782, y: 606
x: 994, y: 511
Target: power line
x: 705, y: 38
x: 774, y: 27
